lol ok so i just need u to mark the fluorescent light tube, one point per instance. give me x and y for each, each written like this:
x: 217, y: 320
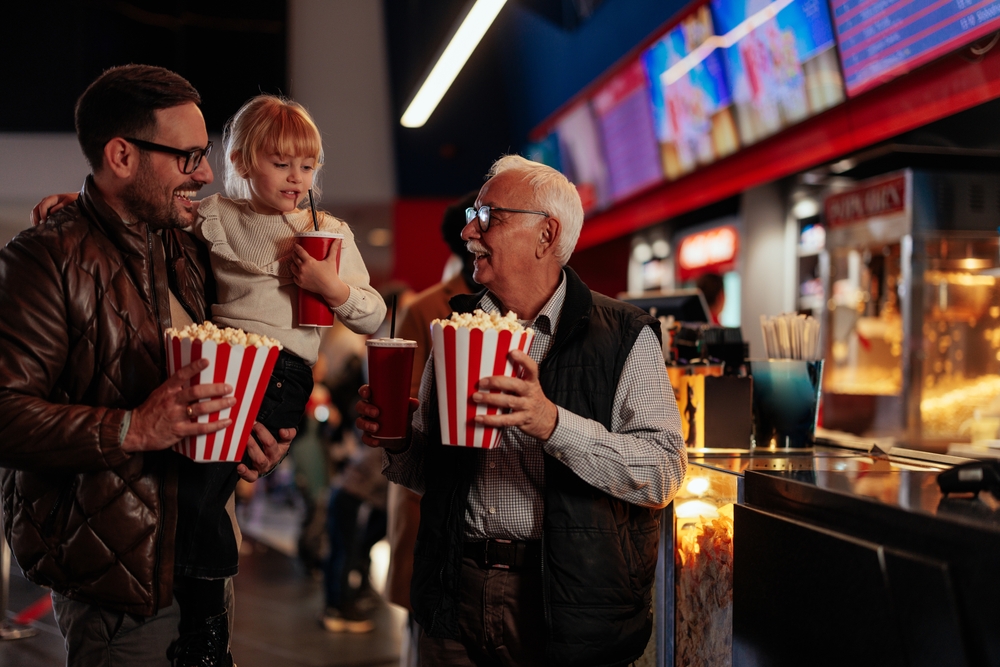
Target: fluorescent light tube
x: 461, y: 46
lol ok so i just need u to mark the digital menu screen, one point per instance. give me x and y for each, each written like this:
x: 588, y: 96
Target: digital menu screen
x: 881, y: 39
x: 692, y: 105
x: 622, y: 107
x: 781, y: 61
x: 581, y: 155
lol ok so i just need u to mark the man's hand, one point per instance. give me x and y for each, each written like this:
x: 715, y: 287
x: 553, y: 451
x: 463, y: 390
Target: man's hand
x: 170, y: 413
x: 50, y: 205
x: 367, y: 422
x: 267, y: 454
x: 530, y: 410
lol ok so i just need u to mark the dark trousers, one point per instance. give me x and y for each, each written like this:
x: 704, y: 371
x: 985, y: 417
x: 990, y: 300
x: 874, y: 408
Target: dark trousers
x: 501, y: 620
x: 352, y: 537
x: 206, y: 543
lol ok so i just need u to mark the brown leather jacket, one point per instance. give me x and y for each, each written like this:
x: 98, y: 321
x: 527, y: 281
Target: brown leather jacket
x: 83, y: 307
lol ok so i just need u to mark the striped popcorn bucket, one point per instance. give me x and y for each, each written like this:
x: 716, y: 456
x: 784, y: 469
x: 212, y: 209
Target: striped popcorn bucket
x: 463, y: 356
x: 246, y: 369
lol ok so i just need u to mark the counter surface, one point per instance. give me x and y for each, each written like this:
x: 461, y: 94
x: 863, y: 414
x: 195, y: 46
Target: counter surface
x: 889, y: 483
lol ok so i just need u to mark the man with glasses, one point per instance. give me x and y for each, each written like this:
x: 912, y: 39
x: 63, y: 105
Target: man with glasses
x: 87, y: 414
x: 541, y: 551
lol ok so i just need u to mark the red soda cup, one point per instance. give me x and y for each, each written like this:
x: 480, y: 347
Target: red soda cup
x: 313, y: 310
x: 390, y: 366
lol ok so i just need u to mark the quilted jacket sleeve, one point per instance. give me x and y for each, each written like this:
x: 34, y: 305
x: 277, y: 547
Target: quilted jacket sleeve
x: 38, y: 430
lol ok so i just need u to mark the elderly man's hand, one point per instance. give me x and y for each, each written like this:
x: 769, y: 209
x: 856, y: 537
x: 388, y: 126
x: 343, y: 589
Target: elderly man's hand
x: 267, y: 454
x: 367, y: 422
x: 530, y: 410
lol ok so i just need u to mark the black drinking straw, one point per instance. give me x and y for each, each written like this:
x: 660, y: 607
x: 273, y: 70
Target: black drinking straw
x: 392, y: 322
x: 312, y: 205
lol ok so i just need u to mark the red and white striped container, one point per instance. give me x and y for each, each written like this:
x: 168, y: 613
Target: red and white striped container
x: 462, y: 357
x: 246, y: 369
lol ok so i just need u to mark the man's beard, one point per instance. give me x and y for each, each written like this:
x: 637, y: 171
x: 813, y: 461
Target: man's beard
x: 148, y: 201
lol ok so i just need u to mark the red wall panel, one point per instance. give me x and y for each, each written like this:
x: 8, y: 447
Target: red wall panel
x: 420, y: 253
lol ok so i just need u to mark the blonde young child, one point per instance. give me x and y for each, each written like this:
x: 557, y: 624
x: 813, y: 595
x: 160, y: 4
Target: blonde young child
x: 273, y: 153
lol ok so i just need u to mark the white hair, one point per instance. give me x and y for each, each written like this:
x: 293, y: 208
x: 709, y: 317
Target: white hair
x: 554, y: 194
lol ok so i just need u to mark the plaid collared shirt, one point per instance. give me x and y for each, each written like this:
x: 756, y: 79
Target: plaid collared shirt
x: 642, y: 459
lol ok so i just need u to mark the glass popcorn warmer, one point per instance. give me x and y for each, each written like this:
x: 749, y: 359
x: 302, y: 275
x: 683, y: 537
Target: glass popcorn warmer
x: 912, y: 317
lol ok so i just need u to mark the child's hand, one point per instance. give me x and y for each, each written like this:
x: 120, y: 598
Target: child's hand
x: 320, y: 277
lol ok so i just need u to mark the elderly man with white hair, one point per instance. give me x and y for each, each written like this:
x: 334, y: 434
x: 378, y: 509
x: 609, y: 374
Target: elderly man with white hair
x: 541, y: 551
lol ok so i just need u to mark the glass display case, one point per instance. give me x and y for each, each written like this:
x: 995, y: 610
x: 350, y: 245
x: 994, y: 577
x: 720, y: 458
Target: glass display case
x: 694, y: 599
x: 912, y: 320
x: 703, y: 566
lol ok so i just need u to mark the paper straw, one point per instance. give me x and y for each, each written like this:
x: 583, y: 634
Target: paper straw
x: 312, y: 205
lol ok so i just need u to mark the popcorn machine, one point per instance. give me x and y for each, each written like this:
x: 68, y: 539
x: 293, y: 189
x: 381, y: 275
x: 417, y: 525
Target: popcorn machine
x: 912, y: 317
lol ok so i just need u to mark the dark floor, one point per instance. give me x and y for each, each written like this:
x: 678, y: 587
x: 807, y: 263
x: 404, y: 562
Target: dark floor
x: 277, y: 607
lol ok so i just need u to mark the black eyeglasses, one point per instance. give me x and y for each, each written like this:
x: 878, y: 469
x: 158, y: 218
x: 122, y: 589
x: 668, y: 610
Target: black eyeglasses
x: 192, y: 159
x: 485, y: 213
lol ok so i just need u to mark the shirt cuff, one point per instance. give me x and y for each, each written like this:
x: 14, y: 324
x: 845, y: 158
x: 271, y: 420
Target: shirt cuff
x: 571, y: 430
x: 397, y: 459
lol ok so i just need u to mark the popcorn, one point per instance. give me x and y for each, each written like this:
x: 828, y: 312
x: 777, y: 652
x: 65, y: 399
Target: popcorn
x: 704, y: 590
x: 478, y: 319
x: 243, y: 361
x: 467, y: 348
x: 208, y: 331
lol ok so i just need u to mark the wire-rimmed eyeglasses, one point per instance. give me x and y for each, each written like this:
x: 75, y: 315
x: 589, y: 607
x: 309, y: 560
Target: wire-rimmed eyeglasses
x: 485, y: 213
x: 192, y: 158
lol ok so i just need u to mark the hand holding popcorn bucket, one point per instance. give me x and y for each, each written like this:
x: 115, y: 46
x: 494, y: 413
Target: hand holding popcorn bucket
x: 244, y: 361
x: 468, y: 348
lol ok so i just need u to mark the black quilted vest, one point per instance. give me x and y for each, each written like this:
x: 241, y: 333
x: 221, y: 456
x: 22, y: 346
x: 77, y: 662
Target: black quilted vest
x: 599, y: 552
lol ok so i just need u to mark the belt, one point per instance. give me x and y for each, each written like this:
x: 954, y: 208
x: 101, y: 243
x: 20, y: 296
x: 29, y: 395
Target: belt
x: 504, y: 554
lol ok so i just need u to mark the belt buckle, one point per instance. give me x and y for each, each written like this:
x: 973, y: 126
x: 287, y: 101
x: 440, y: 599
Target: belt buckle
x: 500, y: 544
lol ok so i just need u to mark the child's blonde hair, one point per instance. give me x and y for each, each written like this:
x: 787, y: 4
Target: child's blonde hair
x: 265, y: 125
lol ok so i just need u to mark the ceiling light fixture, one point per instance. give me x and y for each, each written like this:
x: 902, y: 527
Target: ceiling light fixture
x: 450, y: 63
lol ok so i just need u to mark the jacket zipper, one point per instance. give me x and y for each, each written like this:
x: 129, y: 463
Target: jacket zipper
x: 159, y: 520
x: 152, y: 275
x: 172, y: 273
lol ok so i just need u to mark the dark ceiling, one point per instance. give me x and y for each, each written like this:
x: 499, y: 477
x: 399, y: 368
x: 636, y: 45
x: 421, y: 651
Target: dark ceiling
x: 52, y: 50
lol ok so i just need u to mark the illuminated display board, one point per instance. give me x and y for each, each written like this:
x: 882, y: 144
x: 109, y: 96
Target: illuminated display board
x: 582, y: 156
x: 692, y: 106
x: 781, y: 62
x: 881, y: 39
x: 623, y: 113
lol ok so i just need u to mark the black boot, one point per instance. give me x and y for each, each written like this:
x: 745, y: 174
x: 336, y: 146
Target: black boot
x: 204, y: 646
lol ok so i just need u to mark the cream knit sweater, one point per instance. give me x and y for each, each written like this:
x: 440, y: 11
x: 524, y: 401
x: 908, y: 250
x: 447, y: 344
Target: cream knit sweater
x: 250, y: 256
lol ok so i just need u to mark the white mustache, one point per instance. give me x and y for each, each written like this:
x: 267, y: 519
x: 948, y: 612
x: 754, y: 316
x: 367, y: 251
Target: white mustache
x: 476, y: 248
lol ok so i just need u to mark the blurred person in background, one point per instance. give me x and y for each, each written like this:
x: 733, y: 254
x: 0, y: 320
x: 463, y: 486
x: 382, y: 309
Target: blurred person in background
x: 592, y: 439
x: 404, y: 505
x: 712, y: 286
x: 356, y: 518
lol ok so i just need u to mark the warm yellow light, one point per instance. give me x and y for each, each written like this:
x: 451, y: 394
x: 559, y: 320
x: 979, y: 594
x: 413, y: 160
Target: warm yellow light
x: 697, y: 486
x: 696, y: 508
x: 450, y: 63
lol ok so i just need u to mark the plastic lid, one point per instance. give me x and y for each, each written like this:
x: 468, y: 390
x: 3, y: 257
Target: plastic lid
x: 390, y: 342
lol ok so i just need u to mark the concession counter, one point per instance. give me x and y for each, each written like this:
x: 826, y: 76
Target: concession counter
x: 839, y: 554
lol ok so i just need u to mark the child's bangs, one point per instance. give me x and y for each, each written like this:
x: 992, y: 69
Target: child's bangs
x: 295, y: 136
